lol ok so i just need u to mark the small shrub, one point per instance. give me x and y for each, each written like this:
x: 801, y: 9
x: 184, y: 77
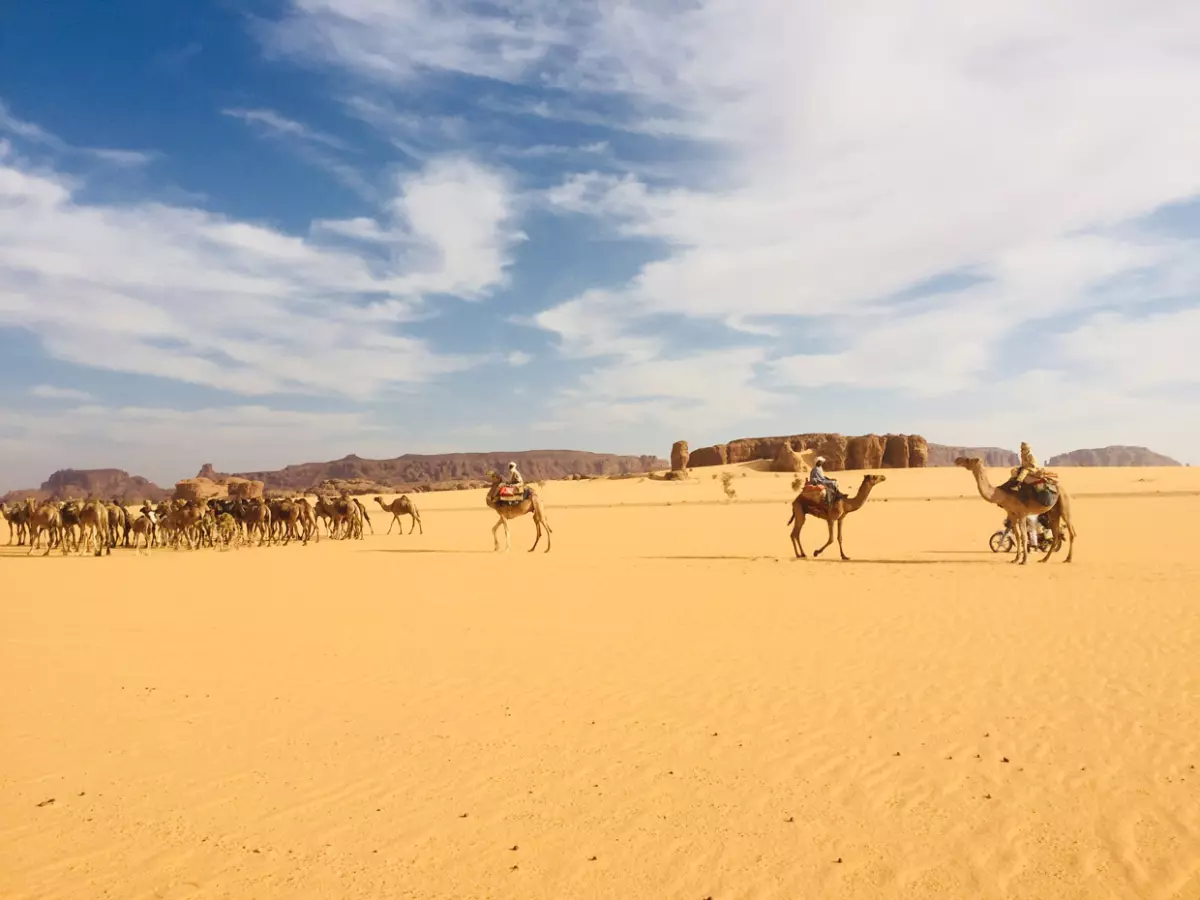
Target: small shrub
x: 727, y: 485
x: 797, y: 483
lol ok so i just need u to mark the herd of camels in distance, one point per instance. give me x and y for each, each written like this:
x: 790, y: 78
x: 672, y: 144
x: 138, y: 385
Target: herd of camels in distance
x: 98, y: 526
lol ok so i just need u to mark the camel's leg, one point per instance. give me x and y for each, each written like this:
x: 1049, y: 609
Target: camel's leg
x: 839, y: 530
x: 828, y: 542
x: 416, y: 522
x: 495, y: 539
x: 796, y: 536
x: 537, y: 523
x: 392, y: 524
x: 507, y: 537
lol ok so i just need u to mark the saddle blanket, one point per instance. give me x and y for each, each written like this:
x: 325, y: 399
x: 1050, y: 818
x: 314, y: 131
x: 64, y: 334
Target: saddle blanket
x: 512, y: 494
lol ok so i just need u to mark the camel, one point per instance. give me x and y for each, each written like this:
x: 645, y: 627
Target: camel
x: 529, y: 503
x: 402, y: 506
x: 45, y: 517
x: 93, y: 518
x: 143, y: 526
x: 810, y: 505
x: 1024, y: 503
x: 16, y: 515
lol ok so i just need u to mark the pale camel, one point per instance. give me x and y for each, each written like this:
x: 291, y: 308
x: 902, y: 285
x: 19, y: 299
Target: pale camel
x: 1022, y: 503
x: 808, y: 503
x: 93, y: 518
x: 402, y: 506
x: 529, y: 503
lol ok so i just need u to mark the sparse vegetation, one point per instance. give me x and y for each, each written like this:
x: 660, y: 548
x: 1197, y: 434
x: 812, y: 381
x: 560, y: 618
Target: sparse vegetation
x: 797, y: 483
x: 727, y: 485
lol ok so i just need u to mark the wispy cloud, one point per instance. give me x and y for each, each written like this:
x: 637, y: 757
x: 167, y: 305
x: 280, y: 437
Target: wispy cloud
x: 29, y: 131
x: 277, y: 125
x: 50, y: 392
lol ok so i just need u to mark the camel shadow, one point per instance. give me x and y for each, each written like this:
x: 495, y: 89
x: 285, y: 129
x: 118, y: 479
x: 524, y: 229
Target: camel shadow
x: 918, y: 562
x: 714, y: 556
x: 422, y: 550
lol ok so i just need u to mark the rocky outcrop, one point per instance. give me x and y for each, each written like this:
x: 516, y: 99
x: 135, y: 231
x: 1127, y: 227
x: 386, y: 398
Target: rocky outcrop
x: 840, y: 452
x: 679, y: 456
x: 789, y: 460
x: 864, y: 452
x: 895, y: 451
x: 716, y: 455
x: 67, y: 484
x: 202, y: 489
x: 993, y: 457
x: 1111, y: 456
x: 918, y: 452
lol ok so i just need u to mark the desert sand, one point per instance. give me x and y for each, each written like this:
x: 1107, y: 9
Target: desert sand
x: 667, y: 705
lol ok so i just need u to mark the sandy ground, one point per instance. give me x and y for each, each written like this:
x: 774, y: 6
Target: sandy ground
x: 665, y: 706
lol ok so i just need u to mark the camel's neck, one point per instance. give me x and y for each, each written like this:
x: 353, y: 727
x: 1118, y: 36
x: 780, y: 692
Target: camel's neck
x: 864, y: 491
x: 986, y: 491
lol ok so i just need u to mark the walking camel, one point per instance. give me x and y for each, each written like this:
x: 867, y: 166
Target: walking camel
x: 512, y: 509
x: 402, y: 506
x: 1022, y: 503
x: 813, y: 504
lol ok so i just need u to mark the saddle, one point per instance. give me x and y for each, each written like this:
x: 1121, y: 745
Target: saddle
x: 512, y: 494
x: 1040, y: 487
x: 817, y: 495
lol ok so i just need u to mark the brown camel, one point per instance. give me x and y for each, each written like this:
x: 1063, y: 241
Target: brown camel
x: 19, y: 516
x: 814, y: 504
x: 1022, y: 503
x: 46, y: 517
x: 402, y: 506
x: 509, y: 509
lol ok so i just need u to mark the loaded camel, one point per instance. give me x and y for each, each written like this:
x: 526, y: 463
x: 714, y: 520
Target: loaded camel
x: 512, y: 509
x: 1024, y: 502
x: 402, y: 506
x: 811, y: 504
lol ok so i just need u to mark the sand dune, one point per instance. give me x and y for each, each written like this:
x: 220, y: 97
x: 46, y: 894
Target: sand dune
x: 666, y: 705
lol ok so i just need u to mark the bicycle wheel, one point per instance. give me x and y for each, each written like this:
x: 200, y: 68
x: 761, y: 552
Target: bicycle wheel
x: 1001, y: 542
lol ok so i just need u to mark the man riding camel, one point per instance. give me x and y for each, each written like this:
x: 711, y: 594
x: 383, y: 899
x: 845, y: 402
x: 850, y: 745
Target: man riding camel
x: 817, y: 476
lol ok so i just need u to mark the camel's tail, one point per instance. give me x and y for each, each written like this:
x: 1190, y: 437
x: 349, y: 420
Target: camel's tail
x: 793, y: 518
x: 363, y: 510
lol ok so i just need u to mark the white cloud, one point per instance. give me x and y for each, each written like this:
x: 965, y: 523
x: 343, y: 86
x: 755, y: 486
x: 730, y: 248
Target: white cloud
x: 519, y: 358
x: 50, y: 392
x: 180, y: 293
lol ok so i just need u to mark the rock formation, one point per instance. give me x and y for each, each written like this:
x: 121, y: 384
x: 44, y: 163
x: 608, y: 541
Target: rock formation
x: 679, y: 456
x: 993, y: 457
x: 1111, y: 456
x: 866, y: 452
x: 918, y: 452
x: 788, y: 460
x: 68, y: 484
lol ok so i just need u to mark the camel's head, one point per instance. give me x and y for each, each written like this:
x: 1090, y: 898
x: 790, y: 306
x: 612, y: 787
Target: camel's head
x: 968, y: 462
x: 872, y: 480
x: 378, y: 499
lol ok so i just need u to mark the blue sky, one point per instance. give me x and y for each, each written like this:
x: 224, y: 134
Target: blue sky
x: 262, y: 233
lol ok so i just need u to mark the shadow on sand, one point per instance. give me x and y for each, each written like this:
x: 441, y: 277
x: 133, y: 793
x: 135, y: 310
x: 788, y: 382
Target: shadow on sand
x: 422, y: 550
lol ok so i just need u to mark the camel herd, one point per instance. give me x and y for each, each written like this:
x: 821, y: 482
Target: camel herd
x: 98, y: 526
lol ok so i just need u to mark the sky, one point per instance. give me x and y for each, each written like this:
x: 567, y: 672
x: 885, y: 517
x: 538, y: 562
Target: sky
x: 261, y: 233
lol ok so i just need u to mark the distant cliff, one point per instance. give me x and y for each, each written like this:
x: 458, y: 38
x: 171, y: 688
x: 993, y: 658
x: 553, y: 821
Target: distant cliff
x: 944, y: 455
x: 67, y: 484
x: 1111, y: 456
x: 446, y: 470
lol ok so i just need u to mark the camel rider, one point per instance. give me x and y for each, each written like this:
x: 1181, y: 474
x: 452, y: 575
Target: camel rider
x: 514, y: 476
x: 818, y: 476
x: 1029, y: 466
